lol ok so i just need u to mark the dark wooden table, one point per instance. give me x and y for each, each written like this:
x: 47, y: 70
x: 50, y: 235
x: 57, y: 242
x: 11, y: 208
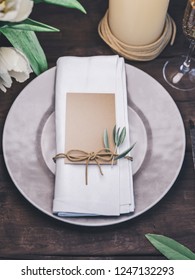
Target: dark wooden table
x: 27, y: 233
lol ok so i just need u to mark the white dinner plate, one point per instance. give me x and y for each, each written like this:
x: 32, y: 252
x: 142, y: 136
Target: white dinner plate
x: 155, y: 125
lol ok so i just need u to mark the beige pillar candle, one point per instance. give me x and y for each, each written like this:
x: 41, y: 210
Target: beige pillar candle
x: 137, y: 22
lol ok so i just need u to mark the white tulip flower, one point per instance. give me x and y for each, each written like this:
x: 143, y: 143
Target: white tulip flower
x: 13, y: 64
x: 15, y: 10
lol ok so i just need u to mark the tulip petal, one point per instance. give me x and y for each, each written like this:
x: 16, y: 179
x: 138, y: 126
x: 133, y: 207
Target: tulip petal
x: 15, y: 10
x: 14, y: 64
x: 24, y: 10
x: 24, y: 40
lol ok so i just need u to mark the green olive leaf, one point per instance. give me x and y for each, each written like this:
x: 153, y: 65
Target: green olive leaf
x: 122, y: 136
x: 114, y: 133
x: 170, y: 248
x: 117, y: 137
x: 106, y: 141
x: 123, y: 154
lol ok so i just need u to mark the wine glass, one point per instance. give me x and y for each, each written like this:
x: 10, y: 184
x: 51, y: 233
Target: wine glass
x: 180, y: 72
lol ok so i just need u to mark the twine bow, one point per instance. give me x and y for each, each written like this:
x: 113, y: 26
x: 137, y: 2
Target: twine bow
x: 103, y: 155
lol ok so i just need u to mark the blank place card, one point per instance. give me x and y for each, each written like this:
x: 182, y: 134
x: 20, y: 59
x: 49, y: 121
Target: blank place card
x: 87, y: 116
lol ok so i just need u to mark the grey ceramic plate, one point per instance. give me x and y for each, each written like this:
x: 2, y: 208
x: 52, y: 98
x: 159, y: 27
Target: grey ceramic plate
x: 156, y: 126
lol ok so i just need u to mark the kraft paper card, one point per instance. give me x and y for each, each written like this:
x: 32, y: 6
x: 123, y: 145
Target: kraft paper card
x: 87, y: 116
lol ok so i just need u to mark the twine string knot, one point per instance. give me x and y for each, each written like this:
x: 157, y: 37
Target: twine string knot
x: 102, y: 156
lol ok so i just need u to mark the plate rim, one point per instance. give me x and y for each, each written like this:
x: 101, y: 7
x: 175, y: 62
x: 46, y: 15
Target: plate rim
x: 115, y: 220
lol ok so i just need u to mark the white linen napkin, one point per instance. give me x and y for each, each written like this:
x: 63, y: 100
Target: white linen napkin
x: 111, y: 194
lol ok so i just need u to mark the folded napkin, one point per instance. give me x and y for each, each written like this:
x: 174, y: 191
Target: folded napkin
x: 111, y: 194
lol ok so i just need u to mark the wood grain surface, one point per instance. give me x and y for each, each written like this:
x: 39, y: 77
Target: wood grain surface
x: 27, y: 233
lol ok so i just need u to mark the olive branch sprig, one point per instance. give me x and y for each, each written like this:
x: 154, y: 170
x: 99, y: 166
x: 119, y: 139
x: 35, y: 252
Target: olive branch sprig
x: 118, y: 138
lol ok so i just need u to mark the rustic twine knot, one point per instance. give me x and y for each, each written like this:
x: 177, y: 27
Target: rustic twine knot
x: 103, y: 155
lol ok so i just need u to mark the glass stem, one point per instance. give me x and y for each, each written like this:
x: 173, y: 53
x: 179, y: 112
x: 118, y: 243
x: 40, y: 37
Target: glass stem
x: 185, y: 67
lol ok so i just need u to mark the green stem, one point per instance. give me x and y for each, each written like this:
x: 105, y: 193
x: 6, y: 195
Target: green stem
x: 115, y: 150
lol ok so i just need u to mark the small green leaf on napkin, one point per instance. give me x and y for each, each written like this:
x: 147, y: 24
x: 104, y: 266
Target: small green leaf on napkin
x: 170, y: 248
x: 65, y: 3
x: 118, y: 136
x: 122, y: 136
x: 114, y: 133
x: 30, y: 25
x: 106, y: 141
x: 125, y: 152
x: 27, y: 42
